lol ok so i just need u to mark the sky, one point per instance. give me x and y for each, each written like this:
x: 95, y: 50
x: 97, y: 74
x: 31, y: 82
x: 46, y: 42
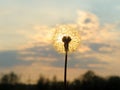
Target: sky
x: 27, y: 27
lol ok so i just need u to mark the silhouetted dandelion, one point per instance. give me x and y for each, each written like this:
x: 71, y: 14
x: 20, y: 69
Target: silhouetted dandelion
x: 66, y: 39
x: 66, y: 31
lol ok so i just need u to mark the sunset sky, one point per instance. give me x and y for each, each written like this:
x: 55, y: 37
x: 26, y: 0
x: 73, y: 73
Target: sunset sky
x: 27, y: 27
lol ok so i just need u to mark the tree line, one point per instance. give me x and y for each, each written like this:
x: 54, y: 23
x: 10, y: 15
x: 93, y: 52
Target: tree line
x: 88, y: 81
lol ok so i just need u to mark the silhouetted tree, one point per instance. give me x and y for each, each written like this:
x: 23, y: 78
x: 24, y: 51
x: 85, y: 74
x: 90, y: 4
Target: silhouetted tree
x: 93, y: 82
x: 89, y: 81
x: 9, y: 81
x: 56, y: 85
x: 10, y: 78
x: 43, y: 84
x: 113, y: 83
x: 75, y: 85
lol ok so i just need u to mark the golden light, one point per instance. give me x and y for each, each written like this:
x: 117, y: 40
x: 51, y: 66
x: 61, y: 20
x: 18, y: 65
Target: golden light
x: 63, y: 31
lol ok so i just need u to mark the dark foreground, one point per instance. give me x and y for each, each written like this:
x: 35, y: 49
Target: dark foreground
x: 89, y: 81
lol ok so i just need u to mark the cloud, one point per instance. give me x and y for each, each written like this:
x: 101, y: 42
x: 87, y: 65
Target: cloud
x: 9, y: 59
x: 92, y: 31
x: 87, y: 21
x: 96, y: 40
x: 38, y: 35
x: 94, y: 35
x: 99, y: 50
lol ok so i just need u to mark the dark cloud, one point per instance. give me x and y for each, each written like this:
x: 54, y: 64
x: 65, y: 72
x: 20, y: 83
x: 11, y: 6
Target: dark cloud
x: 14, y: 58
x: 80, y: 62
x: 10, y: 58
x: 73, y: 59
x: 84, y: 62
x: 96, y: 46
x: 41, y: 51
x: 88, y: 20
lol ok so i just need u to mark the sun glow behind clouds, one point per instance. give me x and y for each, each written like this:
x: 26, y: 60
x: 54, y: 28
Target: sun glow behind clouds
x: 66, y: 30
